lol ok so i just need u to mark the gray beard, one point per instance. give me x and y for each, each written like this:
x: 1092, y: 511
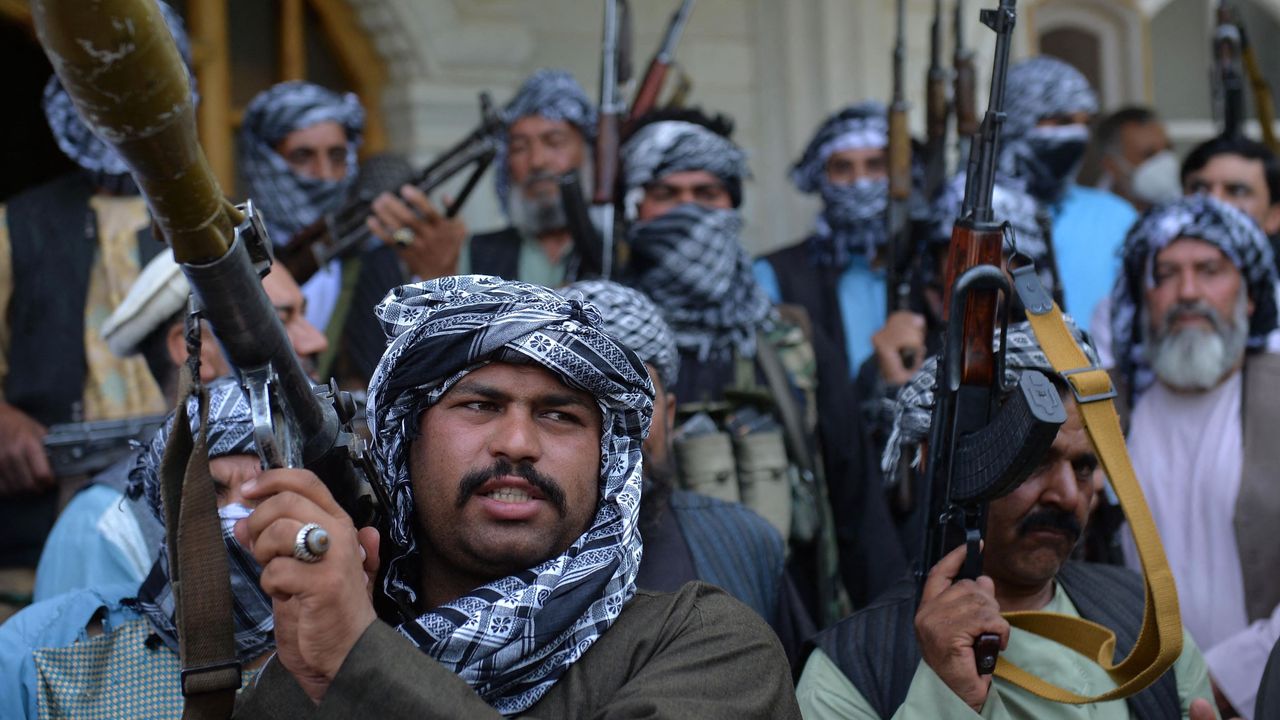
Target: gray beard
x: 537, y: 216
x: 1195, y: 359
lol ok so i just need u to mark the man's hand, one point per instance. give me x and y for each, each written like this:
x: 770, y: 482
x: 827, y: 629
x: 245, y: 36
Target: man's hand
x: 24, y: 467
x: 436, y: 240
x: 903, y: 332
x: 950, y: 619
x: 321, y: 609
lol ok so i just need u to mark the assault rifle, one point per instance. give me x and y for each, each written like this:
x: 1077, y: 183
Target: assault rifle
x: 937, y: 110
x: 615, y: 70
x: 87, y: 448
x: 1263, y: 104
x: 978, y: 448
x: 655, y: 76
x: 1227, y: 79
x: 344, y: 231
x: 898, y: 282
x: 965, y: 80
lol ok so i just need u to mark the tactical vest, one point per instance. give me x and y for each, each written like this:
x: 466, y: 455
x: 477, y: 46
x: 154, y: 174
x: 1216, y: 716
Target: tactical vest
x: 877, y: 650
x: 54, y: 237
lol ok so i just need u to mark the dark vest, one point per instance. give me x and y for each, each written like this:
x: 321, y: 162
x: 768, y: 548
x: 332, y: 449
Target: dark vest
x: 876, y: 647
x: 496, y: 253
x: 813, y: 287
x: 54, y: 238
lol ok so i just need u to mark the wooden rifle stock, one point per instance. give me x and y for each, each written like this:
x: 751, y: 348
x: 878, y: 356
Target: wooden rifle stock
x: 647, y: 96
x: 606, y: 171
x: 899, y: 154
x: 972, y: 245
x: 966, y: 80
x: 1263, y: 103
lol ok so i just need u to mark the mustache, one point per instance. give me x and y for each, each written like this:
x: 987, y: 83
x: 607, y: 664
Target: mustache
x: 474, y: 480
x: 1049, y: 519
x: 1195, y: 308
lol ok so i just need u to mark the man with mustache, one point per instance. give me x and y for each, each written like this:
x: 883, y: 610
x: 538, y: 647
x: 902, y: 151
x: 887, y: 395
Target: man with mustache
x: 550, y: 125
x: 1190, y: 317
x: 507, y: 432
x: 897, y: 659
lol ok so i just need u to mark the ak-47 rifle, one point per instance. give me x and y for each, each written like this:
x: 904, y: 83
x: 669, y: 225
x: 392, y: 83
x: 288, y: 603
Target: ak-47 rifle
x: 344, y: 231
x: 656, y: 75
x: 898, y: 282
x: 615, y: 70
x: 1263, y: 103
x: 965, y: 80
x: 978, y: 448
x: 86, y: 448
x: 937, y: 109
x: 1227, y: 79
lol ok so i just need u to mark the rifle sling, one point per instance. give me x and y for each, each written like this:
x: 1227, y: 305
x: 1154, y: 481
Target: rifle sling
x: 1160, y: 641
x: 198, y: 570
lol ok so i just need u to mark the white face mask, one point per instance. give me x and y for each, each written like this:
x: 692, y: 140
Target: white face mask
x: 230, y: 514
x: 1156, y: 180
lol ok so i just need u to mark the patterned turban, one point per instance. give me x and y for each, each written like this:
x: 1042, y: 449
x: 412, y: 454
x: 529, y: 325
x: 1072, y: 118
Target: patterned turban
x: 632, y: 318
x: 1203, y: 218
x: 548, y: 93
x: 670, y: 146
x: 75, y: 139
x: 857, y: 127
x: 503, y: 639
x: 690, y: 262
x: 288, y: 201
x: 913, y: 410
x: 230, y: 432
x: 1041, y: 87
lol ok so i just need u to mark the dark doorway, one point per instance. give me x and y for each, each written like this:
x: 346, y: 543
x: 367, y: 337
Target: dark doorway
x: 30, y: 154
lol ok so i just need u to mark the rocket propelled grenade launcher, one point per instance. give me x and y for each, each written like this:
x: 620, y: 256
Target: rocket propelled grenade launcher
x: 119, y: 63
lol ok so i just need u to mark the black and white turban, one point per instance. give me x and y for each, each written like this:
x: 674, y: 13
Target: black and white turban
x: 1203, y: 218
x: 505, y: 639
x: 554, y: 95
x: 1041, y: 87
x: 857, y: 127
x: 913, y: 410
x: 74, y: 138
x: 632, y: 318
x: 288, y: 201
x: 690, y: 261
x: 670, y: 146
x: 230, y: 432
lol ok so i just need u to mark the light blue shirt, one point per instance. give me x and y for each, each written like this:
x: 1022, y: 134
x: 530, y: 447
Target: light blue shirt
x: 1089, y: 226
x: 861, y: 294
x: 96, y: 542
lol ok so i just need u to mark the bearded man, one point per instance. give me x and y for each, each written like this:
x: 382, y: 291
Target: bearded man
x: 1190, y: 318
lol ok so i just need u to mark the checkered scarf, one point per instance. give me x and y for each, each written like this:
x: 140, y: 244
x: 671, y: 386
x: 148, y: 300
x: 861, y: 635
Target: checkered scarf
x: 75, y: 139
x: 230, y: 433
x: 1203, y: 218
x: 857, y: 127
x: 690, y: 262
x: 505, y: 639
x: 288, y: 201
x: 548, y: 93
x: 671, y: 146
x: 913, y: 410
x: 632, y: 318
x: 1041, y: 87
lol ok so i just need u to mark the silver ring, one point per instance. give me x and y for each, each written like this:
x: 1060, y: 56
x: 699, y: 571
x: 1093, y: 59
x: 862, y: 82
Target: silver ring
x: 403, y: 236
x: 311, y: 543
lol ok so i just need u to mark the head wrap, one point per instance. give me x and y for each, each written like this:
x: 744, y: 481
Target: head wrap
x: 230, y: 432
x: 913, y: 410
x: 690, y: 262
x: 75, y: 139
x: 554, y: 95
x: 503, y: 639
x: 1042, y: 159
x: 857, y: 127
x: 1203, y: 218
x: 288, y: 201
x: 632, y: 318
x: 670, y: 146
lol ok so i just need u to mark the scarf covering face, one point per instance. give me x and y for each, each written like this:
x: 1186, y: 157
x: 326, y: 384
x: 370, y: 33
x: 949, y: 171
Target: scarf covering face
x: 548, y: 93
x: 513, y: 638
x: 1041, y: 160
x: 690, y: 262
x: 671, y: 146
x: 632, y: 318
x: 1010, y: 205
x: 913, y: 410
x: 852, y: 221
x: 75, y: 139
x: 1203, y: 218
x: 857, y: 127
x: 288, y: 201
x: 230, y: 433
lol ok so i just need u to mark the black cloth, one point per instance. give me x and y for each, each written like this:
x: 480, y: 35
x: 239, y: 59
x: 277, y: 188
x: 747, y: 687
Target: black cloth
x: 812, y: 287
x: 363, y: 341
x: 667, y: 563
x: 876, y: 648
x: 1267, y: 706
x: 496, y: 253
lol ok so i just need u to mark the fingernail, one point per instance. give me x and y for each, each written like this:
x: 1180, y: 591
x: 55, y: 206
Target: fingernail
x: 249, y: 486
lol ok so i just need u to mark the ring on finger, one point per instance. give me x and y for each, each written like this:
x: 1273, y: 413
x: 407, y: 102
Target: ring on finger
x: 403, y: 236
x: 311, y: 543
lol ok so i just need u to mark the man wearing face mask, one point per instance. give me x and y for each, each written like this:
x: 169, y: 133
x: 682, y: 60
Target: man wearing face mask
x: 112, y: 650
x: 1138, y: 162
x: 835, y: 273
x: 1046, y: 131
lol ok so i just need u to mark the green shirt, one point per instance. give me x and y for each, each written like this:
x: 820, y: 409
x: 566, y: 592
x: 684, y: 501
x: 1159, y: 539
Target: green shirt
x: 533, y: 265
x: 825, y: 691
